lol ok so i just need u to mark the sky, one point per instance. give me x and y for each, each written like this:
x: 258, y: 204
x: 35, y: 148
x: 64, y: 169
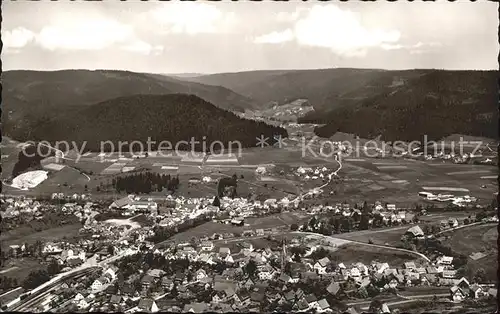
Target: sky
x: 213, y: 37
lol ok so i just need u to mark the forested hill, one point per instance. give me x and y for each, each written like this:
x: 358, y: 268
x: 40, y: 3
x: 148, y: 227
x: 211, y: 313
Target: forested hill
x: 173, y: 117
x: 27, y: 94
x: 437, y: 104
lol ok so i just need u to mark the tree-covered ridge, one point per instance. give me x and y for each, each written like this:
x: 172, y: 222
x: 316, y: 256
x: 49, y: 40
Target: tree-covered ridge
x: 174, y: 118
x: 437, y: 104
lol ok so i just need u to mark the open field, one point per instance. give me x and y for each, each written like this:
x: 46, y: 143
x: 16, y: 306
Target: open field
x: 353, y: 253
x: 479, y: 238
x: 209, y: 228
x: 23, y: 267
x: 387, y: 236
x: 26, y: 234
x: 391, y: 180
x: 474, y: 239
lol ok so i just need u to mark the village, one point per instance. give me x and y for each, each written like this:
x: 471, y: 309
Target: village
x: 297, y: 271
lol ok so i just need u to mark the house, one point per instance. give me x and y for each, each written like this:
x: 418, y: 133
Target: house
x: 249, y: 283
x: 200, y: 274
x: 385, y: 309
x: 247, y: 246
x: 224, y: 251
x: 450, y: 274
x: 410, y: 265
x: 79, y: 296
x: 156, y: 273
x: 444, y: 260
x: 453, y: 222
x: 492, y: 293
x: 320, y: 265
x: 195, y: 307
x: 257, y: 297
x: 123, y: 202
x: 333, y: 288
x: 260, y: 232
x: 284, y: 278
x: 323, y: 306
x: 476, y: 291
x: 83, y: 304
x: 456, y: 294
x: 99, y: 284
x: 207, y: 246
x: 115, y: 299
x: 355, y: 273
x: 266, y: 272
x: 206, y: 258
x: 301, y: 305
x: 244, y: 298
x: 238, y: 221
x: 432, y: 270
x: 415, y: 232
x: 146, y: 281
x: 167, y: 283
x: 393, y: 284
x: 312, y: 301
x: 428, y: 279
x: 391, y: 207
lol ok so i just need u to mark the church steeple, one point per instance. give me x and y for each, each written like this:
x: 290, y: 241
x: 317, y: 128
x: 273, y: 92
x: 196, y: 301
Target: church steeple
x: 283, y: 255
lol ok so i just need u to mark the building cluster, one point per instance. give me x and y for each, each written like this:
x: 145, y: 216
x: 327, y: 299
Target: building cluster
x: 461, y: 201
x: 277, y: 280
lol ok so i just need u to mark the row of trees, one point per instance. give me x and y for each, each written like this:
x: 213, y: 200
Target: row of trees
x: 340, y: 223
x: 164, y: 233
x: 145, y: 182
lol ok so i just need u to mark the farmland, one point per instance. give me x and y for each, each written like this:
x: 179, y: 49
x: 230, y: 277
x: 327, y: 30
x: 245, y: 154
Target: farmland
x: 479, y: 238
x: 211, y: 227
x: 26, y: 234
x: 353, y: 253
x: 391, y: 180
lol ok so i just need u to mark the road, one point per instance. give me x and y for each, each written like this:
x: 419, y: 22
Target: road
x: 8, y: 269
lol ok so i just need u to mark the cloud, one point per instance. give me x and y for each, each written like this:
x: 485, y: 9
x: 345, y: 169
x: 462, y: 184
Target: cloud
x: 70, y: 33
x: 290, y: 16
x: 83, y: 33
x: 17, y: 38
x: 418, y: 48
x: 328, y: 26
x: 340, y: 30
x: 143, y: 47
x: 192, y: 18
x: 275, y: 37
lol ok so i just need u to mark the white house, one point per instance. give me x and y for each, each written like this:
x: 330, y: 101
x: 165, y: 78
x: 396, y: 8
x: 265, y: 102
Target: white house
x: 99, y: 284
x: 456, y: 294
x: 200, y: 274
x: 444, y: 260
x: 207, y: 246
x: 320, y: 265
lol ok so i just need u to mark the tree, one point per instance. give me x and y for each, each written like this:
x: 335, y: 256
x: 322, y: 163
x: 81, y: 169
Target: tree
x: 364, y: 222
x: 480, y: 276
x: 111, y: 250
x: 34, y: 279
x: 294, y: 227
x: 216, y: 202
x: 251, y: 268
x: 53, y: 268
x: 375, y: 306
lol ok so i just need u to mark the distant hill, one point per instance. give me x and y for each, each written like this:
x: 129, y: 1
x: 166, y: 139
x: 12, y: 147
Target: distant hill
x: 183, y: 75
x: 437, y: 104
x: 173, y: 117
x: 324, y: 88
x: 395, y: 104
x: 28, y: 94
